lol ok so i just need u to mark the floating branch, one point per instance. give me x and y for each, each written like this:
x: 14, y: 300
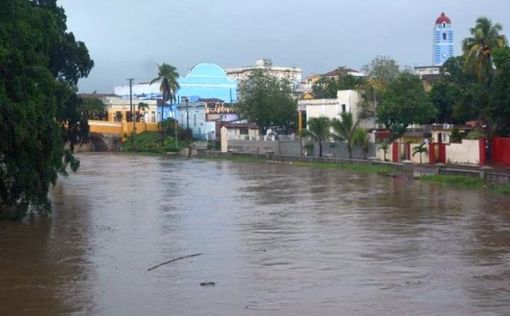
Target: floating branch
x: 173, y: 260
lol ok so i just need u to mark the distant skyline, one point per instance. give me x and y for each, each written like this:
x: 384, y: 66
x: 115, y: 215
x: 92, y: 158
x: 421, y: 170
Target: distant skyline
x: 126, y: 39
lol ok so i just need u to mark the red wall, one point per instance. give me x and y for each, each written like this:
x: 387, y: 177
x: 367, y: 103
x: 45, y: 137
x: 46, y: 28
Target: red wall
x: 395, y: 153
x: 501, y: 150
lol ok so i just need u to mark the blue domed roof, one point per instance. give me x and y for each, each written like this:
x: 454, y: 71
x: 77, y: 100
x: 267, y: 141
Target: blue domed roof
x: 207, y: 80
x: 207, y: 69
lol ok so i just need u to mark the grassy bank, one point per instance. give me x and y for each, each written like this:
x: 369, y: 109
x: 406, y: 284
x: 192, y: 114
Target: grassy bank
x: 150, y: 142
x: 467, y: 183
x: 356, y: 167
x: 237, y: 158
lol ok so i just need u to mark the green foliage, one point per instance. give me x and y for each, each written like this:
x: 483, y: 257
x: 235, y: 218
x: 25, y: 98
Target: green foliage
x: 384, y: 147
x: 478, y: 49
x: 383, y: 69
x: 380, y: 72
x: 479, y: 81
x: 150, y: 142
x: 344, y: 129
x: 360, y: 138
x: 355, y: 167
x: 404, y: 102
x: 40, y: 65
x: 458, y: 181
x: 467, y: 183
x: 456, y: 136
x: 475, y: 134
x: 444, y: 95
x: 267, y: 101
x: 92, y: 108
x: 500, y: 93
x: 167, y: 75
x: 318, y: 130
x: 420, y: 149
x: 327, y: 87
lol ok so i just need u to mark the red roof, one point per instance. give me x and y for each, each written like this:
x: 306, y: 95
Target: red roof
x: 443, y: 18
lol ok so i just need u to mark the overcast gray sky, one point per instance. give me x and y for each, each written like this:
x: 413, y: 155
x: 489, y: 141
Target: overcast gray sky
x: 126, y: 38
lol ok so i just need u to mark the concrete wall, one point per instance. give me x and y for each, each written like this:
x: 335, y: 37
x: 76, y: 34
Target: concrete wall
x: 293, y: 148
x: 467, y: 152
x: 289, y: 148
x: 252, y: 146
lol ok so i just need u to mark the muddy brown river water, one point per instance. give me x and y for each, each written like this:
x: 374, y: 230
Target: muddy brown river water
x: 276, y: 240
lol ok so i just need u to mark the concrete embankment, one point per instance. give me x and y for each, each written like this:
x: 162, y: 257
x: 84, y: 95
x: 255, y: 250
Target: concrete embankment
x: 490, y: 175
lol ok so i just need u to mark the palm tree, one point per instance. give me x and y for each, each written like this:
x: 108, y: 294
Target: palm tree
x: 420, y: 149
x: 384, y: 147
x: 478, y: 49
x: 318, y: 130
x: 168, y: 76
x: 142, y: 106
x: 360, y: 137
x: 344, y: 129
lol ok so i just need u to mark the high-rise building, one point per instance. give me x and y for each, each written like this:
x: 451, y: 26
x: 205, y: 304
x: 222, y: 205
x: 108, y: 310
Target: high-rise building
x: 443, y: 40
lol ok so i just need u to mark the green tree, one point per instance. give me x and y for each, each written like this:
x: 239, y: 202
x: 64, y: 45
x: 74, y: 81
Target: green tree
x: 443, y: 95
x: 169, y: 85
x: 40, y: 65
x: 478, y: 53
x: 143, y: 107
x: 384, y: 147
x: 267, y: 101
x: 327, y: 87
x: 92, y: 108
x: 380, y: 72
x: 461, y: 84
x: 500, y: 92
x: 478, y: 49
x: 360, y: 137
x: 421, y: 149
x: 318, y: 131
x: 404, y: 102
x: 344, y: 129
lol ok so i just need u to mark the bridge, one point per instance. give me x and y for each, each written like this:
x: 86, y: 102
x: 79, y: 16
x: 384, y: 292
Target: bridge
x: 108, y: 136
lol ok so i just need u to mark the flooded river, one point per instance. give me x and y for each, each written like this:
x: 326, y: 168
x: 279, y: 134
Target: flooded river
x: 275, y: 239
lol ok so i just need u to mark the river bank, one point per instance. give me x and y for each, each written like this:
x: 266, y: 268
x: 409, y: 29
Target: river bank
x: 422, y: 172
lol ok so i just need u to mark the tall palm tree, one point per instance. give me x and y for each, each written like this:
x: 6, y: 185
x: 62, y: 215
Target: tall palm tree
x: 420, y: 149
x: 344, y: 129
x: 318, y: 130
x: 478, y: 50
x: 485, y: 37
x: 168, y: 76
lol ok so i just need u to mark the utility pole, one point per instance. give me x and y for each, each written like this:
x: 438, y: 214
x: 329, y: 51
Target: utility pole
x: 187, y: 113
x: 131, y: 109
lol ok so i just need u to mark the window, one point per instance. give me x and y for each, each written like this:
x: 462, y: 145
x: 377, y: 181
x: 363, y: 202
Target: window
x: 444, y: 36
x: 343, y: 108
x: 243, y: 131
x: 194, y: 120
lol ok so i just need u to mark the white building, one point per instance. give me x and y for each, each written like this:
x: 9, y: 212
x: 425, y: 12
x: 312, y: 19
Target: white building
x: 294, y: 74
x: 346, y: 101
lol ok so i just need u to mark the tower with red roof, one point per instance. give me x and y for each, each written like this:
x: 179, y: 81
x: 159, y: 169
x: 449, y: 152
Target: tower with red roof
x: 443, y: 40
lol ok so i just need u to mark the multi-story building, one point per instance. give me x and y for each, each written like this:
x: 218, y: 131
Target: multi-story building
x: 294, y: 74
x: 346, y: 101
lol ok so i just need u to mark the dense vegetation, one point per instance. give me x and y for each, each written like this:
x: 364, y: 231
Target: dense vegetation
x: 267, y: 101
x: 41, y: 116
